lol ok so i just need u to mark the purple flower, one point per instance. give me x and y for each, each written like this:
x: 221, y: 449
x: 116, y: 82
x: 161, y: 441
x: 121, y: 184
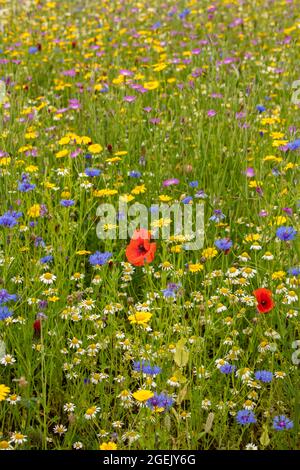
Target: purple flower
x: 211, y: 113
x: 223, y: 244
x: 244, y: 417
x: 99, y: 259
x: 217, y: 216
x: 264, y: 376
x: 286, y: 233
x: 193, y: 184
x: 250, y: 172
x: 170, y: 182
x: 134, y: 174
x: 294, y: 271
x: 129, y: 98
x: 260, y: 108
x: 187, y: 200
x: 281, y: 422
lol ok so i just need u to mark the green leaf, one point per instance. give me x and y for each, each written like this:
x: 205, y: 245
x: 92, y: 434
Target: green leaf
x: 181, y: 355
x: 264, y: 438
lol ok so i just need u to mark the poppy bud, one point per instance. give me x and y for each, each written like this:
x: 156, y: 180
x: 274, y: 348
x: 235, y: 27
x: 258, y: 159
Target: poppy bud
x: 37, y: 327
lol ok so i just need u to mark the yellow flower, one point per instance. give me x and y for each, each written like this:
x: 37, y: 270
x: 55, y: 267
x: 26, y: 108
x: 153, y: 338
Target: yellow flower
x: 254, y: 184
x: 209, y: 253
x: 194, y: 268
x: 164, y: 198
x: 279, y: 220
x: 139, y: 189
x: 83, y: 252
x: 272, y: 158
x: 278, y: 275
x: 4, y: 445
x: 4, y: 391
x: 126, y: 197
x: 31, y: 168
x: 34, y: 211
x: 5, y: 161
x: 140, y: 318
x: 108, y: 446
x: 120, y: 153
x: 143, y: 395
x: 105, y: 192
x: 95, y: 148
x: 176, y: 249
x: 61, y: 153
x: 151, y: 85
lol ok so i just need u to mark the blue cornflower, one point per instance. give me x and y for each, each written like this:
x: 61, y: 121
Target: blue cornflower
x: 184, y: 13
x: 286, y: 233
x: 26, y: 186
x: 5, y: 312
x: 201, y: 194
x: 33, y: 49
x: 294, y: 271
x: 227, y: 369
x: 39, y: 242
x: 264, y: 376
x: 46, y: 259
x: 244, y: 417
x: 217, y: 216
x: 134, y: 174
x: 160, y: 402
x: 98, y: 259
x: 187, y: 200
x: 194, y: 184
x: 171, y: 290
x: 294, y: 145
x: 67, y: 202
x: 223, y: 244
x: 9, y: 219
x: 6, y: 297
x: 260, y: 108
x: 146, y: 368
x: 281, y: 422
x: 92, y: 172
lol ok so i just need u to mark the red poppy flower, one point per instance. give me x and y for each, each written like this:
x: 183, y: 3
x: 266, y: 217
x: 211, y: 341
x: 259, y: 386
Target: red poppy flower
x: 264, y: 300
x: 140, y: 250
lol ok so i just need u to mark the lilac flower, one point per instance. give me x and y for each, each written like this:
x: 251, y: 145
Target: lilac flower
x: 99, y: 259
x: 286, y: 233
x: 281, y: 422
x: 223, y: 244
x: 217, y: 216
x: 201, y: 194
x: 244, y: 417
x: 160, y: 402
x: 129, y: 98
x: 250, y: 172
x: 211, y: 113
x: 170, y: 182
x: 264, y: 376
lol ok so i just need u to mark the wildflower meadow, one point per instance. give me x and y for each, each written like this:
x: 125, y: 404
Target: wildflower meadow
x: 149, y: 225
